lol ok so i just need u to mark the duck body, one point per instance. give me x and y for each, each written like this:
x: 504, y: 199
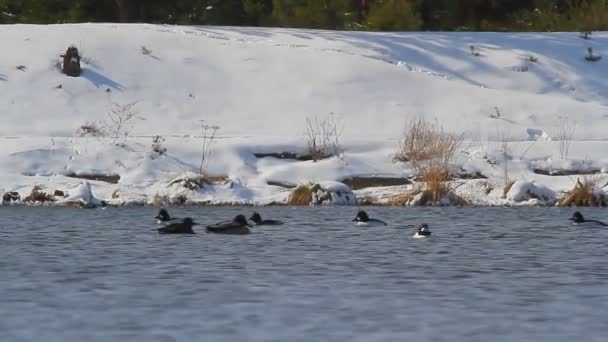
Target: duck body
x: 578, y: 218
x: 363, y: 220
x: 370, y: 223
x: 257, y: 219
x: 422, y: 232
x: 238, y: 226
x: 184, y: 227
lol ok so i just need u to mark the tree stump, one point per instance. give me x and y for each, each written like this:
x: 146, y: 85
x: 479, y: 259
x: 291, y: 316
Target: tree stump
x: 71, y: 62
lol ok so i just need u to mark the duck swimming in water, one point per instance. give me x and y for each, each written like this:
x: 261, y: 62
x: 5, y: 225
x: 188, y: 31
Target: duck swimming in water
x: 238, y: 226
x: 257, y: 219
x: 578, y: 218
x: 423, y: 231
x: 163, y: 217
x: 363, y: 219
x: 184, y: 227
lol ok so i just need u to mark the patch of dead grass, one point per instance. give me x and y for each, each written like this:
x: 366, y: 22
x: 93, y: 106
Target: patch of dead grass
x: 584, y: 194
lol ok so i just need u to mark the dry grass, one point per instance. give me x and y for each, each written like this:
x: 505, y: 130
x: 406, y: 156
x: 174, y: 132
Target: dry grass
x: 38, y: 196
x: 583, y: 194
x: 436, y: 183
x: 425, y: 143
x: 323, y: 137
x: 429, y: 149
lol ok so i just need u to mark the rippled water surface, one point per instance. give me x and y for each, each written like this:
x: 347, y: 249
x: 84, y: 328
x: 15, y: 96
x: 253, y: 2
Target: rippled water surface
x: 487, y: 274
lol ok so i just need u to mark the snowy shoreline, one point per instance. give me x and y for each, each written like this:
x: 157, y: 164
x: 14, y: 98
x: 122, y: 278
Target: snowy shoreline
x: 531, y: 133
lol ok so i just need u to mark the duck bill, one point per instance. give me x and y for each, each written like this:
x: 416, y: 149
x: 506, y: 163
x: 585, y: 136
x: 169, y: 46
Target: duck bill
x: 355, y: 219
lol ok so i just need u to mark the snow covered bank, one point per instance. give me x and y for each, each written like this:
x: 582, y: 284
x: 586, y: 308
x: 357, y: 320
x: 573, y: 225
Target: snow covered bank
x: 260, y: 85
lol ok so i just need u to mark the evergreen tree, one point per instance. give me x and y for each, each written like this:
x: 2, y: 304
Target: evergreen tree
x: 393, y: 15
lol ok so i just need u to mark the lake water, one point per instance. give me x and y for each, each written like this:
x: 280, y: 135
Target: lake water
x: 487, y: 274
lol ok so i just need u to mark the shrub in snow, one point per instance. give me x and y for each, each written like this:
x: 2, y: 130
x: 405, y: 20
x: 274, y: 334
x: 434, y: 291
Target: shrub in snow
x: 145, y: 51
x: 89, y: 129
x: 209, y: 131
x: 157, y: 145
x: 496, y: 114
x: 119, y: 120
x: 71, y: 62
x: 190, y: 181
x: 521, y: 191
x: 323, y: 193
x: 585, y: 194
x: 38, y: 196
x: 421, y: 196
x: 194, y: 182
x: 429, y: 149
x: 532, y: 59
x: 537, y: 134
x: 590, y: 57
x: 323, y: 137
x: 474, y: 51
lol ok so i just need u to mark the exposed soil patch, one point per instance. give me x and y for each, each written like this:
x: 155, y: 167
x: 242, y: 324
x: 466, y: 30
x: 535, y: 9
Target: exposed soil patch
x: 567, y: 172
x: 112, y: 179
x: 462, y: 174
x: 288, y: 155
x: 358, y: 183
x: 285, y: 185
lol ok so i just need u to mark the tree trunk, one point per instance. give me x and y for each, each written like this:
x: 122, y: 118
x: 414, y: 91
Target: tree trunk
x: 121, y: 10
x: 361, y: 8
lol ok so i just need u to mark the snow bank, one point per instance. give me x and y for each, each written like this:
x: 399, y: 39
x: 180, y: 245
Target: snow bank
x: 522, y: 191
x: 259, y: 85
x: 83, y: 194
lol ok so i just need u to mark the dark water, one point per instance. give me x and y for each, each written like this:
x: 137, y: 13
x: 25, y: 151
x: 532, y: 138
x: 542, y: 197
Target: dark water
x: 490, y: 274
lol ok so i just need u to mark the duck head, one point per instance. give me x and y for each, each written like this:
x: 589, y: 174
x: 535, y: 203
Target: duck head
x: 361, y: 217
x: 423, y: 228
x: 256, y: 217
x: 577, y: 217
x: 163, y: 215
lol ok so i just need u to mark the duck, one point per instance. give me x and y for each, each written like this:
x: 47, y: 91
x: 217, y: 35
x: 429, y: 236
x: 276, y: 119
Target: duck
x: 257, y: 219
x: 578, y: 218
x: 362, y: 219
x: 238, y: 226
x: 163, y: 217
x: 184, y: 227
x: 422, y: 231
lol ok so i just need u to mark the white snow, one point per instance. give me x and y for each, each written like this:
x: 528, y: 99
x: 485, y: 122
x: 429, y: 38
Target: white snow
x: 334, y: 193
x: 260, y: 84
x: 524, y: 191
x: 82, y: 193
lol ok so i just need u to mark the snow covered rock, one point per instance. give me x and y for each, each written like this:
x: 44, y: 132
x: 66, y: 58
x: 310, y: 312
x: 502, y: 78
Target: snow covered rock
x: 10, y: 197
x: 333, y: 193
x: 83, y: 195
x: 323, y: 193
x: 522, y: 191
